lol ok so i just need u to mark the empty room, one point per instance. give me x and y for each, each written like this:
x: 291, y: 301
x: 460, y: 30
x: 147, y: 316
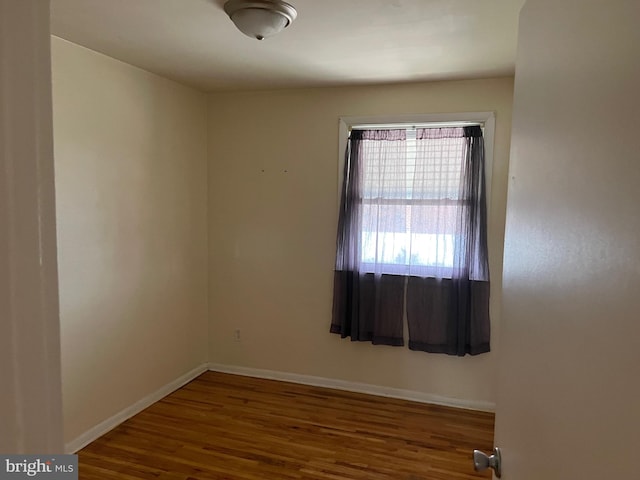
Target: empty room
x: 319, y: 239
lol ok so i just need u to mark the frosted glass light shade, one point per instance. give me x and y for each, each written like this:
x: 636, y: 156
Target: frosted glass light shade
x: 259, y: 23
x: 260, y: 19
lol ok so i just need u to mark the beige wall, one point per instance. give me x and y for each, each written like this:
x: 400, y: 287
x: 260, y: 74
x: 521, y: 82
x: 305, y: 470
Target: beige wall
x: 272, y: 224
x: 569, y: 389
x: 30, y: 397
x: 130, y: 159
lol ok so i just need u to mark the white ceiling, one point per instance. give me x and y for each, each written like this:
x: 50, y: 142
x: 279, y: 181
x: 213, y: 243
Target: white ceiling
x: 332, y: 42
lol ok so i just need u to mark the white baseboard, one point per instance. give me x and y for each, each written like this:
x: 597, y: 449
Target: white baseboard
x: 356, y: 387
x: 110, y: 423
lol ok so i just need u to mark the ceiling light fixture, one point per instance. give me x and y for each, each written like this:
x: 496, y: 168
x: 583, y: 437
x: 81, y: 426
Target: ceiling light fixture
x: 261, y: 18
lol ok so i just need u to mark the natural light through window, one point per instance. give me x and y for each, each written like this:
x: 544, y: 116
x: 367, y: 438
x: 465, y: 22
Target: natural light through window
x: 410, y: 204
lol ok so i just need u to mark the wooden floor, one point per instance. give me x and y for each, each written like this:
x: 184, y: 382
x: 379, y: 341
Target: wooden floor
x: 230, y: 427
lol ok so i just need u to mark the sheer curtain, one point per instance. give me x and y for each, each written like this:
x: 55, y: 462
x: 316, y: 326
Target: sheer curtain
x: 412, y: 237
x: 368, y: 305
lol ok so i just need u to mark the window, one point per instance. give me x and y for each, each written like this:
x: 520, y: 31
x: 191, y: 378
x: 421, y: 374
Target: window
x: 410, y: 201
x: 412, y: 238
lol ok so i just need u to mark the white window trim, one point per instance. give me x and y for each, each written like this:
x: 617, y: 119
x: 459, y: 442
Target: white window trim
x: 486, y: 119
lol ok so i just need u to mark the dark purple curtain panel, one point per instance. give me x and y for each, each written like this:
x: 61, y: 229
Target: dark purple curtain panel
x: 451, y: 315
x: 412, y: 241
x: 366, y: 306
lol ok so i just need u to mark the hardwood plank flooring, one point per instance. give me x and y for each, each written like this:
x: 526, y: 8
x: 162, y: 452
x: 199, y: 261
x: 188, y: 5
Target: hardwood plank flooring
x: 223, y: 426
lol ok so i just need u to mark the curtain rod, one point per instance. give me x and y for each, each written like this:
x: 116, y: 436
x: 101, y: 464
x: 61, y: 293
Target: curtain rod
x: 413, y: 125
